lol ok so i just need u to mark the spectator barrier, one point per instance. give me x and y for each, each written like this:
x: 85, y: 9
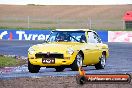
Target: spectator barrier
x: 119, y: 36
x: 106, y: 36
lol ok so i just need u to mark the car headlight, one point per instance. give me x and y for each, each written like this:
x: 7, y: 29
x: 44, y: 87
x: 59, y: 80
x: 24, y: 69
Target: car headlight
x: 31, y: 50
x: 70, y: 51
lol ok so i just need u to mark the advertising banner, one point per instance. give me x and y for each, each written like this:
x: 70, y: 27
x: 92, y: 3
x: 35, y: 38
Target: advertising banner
x: 36, y: 34
x: 119, y: 36
x: 103, y: 35
x: 24, y: 34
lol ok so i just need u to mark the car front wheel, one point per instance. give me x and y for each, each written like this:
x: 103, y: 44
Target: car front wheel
x: 101, y: 63
x: 77, y: 62
x: 33, y: 68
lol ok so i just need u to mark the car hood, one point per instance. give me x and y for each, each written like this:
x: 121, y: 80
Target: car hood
x: 56, y: 47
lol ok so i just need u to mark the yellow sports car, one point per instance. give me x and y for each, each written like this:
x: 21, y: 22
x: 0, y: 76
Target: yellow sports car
x: 68, y: 49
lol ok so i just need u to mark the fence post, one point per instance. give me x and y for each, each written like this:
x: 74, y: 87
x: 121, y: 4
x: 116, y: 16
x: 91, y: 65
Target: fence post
x: 28, y: 22
x: 90, y: 23
x: 57, y: 26
x: 123, y: 24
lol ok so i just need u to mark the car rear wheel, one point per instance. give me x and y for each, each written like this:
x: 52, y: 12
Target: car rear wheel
x: 59, y: 69
x: 77, y: 62
x: 33, y: 68
x: 101, y: 63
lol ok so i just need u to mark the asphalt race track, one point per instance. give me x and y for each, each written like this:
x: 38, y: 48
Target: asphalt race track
x: 120, y: 61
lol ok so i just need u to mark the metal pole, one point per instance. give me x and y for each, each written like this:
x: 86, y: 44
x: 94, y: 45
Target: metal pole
x: 90, y: 23
x: 124, y: 27
x: 28, y: 22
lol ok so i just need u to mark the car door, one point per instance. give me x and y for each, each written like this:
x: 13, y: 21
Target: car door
x: 93, y: 51
x: 90, y: 54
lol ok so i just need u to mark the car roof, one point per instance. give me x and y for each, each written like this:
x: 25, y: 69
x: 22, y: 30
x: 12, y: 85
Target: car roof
x: 73, y: 30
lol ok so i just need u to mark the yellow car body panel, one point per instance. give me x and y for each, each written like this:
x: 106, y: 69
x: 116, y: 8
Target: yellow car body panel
x: 68, y: 59
x: 91, y: 52
x: 61, y: 47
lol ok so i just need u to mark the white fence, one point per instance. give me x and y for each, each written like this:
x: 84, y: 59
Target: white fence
x: 42, y: 23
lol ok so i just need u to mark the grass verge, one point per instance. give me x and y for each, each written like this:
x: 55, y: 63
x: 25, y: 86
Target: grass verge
x: 10, y: 61
x: 53, y: 28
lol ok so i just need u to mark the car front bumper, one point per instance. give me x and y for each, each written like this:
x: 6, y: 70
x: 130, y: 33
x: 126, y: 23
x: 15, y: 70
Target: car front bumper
x: 68, y: 60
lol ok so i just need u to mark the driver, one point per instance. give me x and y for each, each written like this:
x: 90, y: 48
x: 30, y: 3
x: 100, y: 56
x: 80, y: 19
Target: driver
x: 83, y: 39
x: 61, y: 37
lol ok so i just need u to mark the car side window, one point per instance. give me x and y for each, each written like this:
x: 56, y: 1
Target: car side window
x: 93, y: 38
x: 96, y: 37
x: 90, y: 37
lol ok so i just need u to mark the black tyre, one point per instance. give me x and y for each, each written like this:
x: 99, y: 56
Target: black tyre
x: 33, y: 68
x: 59, y: 69
x: 101, y: 63
x: 78, y: 62
x: 81, y: 80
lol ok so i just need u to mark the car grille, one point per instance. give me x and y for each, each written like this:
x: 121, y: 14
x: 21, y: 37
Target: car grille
x: 51, y: 55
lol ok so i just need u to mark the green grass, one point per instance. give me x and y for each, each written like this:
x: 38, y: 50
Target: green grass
x: 55, y: 24
x: 22, y: 28
x: 44, y: 22
x: 10, y: 61
x: 110, y: 29
x: 13, y: 21
x: 129, y: 29
x: 53, y: 28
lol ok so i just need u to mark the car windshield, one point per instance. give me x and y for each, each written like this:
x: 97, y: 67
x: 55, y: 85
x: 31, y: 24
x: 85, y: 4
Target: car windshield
x: 67, y: 36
